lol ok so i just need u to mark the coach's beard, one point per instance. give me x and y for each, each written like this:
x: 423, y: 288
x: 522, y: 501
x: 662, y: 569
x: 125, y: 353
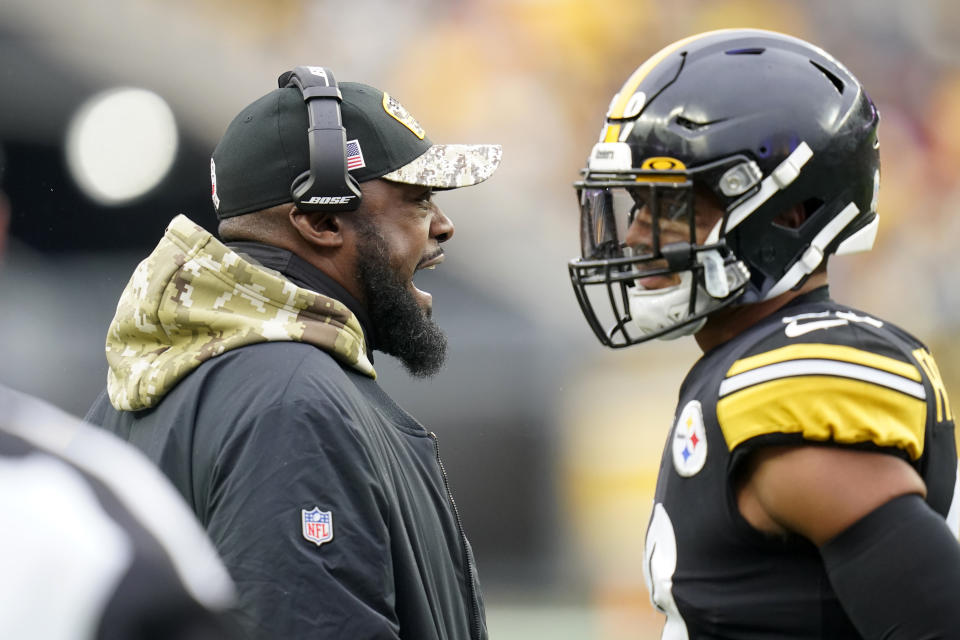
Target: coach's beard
x: 401, y: 327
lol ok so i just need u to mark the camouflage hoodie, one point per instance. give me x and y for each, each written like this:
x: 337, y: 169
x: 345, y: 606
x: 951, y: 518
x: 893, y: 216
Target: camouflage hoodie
x: 193, y: 299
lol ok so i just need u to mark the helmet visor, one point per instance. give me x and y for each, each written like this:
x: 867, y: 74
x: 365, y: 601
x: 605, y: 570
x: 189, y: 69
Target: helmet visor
x: 605, y: 215
x: 634, y: 221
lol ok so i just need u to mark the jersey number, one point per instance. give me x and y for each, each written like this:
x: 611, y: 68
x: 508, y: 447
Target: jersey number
x: 660, y: 554
x: 933, y: 372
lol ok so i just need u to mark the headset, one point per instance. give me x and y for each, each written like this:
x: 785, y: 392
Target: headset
x: 328, y: 185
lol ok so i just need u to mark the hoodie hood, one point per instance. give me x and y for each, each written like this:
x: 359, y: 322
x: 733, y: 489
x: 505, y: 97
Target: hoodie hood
x: 193, y: 299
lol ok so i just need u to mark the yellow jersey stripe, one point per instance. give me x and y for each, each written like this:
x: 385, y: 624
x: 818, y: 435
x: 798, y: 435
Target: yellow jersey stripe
x: 820, y: 408
x: 827, y: 352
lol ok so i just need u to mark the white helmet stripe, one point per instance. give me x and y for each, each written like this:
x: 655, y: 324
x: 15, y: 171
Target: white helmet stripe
x: 813, y: 256
x: 779, y: 178
x: 861, y: 240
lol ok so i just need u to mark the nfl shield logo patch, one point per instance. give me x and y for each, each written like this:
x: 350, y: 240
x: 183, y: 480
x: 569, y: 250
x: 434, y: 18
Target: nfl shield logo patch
x: 317, y: 526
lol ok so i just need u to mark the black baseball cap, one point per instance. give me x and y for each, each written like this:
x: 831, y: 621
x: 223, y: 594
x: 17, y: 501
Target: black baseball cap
x: 266, y: 147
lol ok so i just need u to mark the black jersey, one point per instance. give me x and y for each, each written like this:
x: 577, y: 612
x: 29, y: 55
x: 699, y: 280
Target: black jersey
x: 815, y: 373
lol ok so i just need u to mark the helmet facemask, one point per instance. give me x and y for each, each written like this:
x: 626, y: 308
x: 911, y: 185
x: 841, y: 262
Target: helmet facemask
x: 643, y: 273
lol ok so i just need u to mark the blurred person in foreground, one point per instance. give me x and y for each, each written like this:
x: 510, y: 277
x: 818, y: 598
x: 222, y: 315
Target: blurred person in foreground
x: 808, y: 486
x: 245, y: 369
x: 94, y: 542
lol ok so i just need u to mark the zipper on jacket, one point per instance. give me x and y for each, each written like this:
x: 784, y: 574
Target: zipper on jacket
x: 474, y: 598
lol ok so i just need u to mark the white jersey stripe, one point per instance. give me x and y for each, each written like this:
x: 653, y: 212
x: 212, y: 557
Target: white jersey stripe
x: 815, y: 367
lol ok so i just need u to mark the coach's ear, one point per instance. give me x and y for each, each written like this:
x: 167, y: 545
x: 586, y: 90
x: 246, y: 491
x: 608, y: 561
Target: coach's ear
x: 318, y: 228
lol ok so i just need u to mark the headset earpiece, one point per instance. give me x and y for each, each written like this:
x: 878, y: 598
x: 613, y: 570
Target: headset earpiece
x: 328, y: 185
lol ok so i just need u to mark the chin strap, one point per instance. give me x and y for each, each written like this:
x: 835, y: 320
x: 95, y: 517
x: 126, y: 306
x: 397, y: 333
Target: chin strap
x: 657, y: 310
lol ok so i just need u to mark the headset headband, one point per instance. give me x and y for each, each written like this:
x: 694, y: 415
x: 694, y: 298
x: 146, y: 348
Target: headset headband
x: 328, y: 185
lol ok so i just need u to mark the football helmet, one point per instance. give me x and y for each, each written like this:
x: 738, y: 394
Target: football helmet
x: 756, y: 123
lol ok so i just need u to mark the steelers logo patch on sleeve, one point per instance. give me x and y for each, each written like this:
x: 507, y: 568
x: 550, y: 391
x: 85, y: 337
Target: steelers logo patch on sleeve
x: 689, y: 441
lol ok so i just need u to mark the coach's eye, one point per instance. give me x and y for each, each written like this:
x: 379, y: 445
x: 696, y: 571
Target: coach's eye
x: 425, y: 198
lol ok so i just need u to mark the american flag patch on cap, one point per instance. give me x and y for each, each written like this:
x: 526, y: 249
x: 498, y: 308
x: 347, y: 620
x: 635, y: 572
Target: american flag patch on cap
x: 354, y: 155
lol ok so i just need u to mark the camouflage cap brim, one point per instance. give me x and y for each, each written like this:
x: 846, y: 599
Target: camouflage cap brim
x: 449, y: 166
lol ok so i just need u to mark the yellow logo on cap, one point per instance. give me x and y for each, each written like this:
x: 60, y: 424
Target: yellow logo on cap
x: 397, y: 110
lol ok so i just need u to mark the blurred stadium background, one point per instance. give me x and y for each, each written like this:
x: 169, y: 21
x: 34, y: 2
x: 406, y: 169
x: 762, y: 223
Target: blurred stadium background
x: 552, y: 443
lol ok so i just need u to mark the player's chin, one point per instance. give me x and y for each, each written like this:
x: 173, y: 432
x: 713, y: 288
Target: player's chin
x: 653, y: 283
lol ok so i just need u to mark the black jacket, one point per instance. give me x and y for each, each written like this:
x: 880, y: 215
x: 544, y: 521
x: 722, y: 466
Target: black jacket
x: 328, y: 502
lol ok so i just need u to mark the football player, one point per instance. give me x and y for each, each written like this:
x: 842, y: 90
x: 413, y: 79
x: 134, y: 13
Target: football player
x: 808, y: 485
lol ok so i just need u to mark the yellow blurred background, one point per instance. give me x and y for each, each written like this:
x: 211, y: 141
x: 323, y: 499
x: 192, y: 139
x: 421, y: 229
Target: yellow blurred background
x: 552, y: 442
